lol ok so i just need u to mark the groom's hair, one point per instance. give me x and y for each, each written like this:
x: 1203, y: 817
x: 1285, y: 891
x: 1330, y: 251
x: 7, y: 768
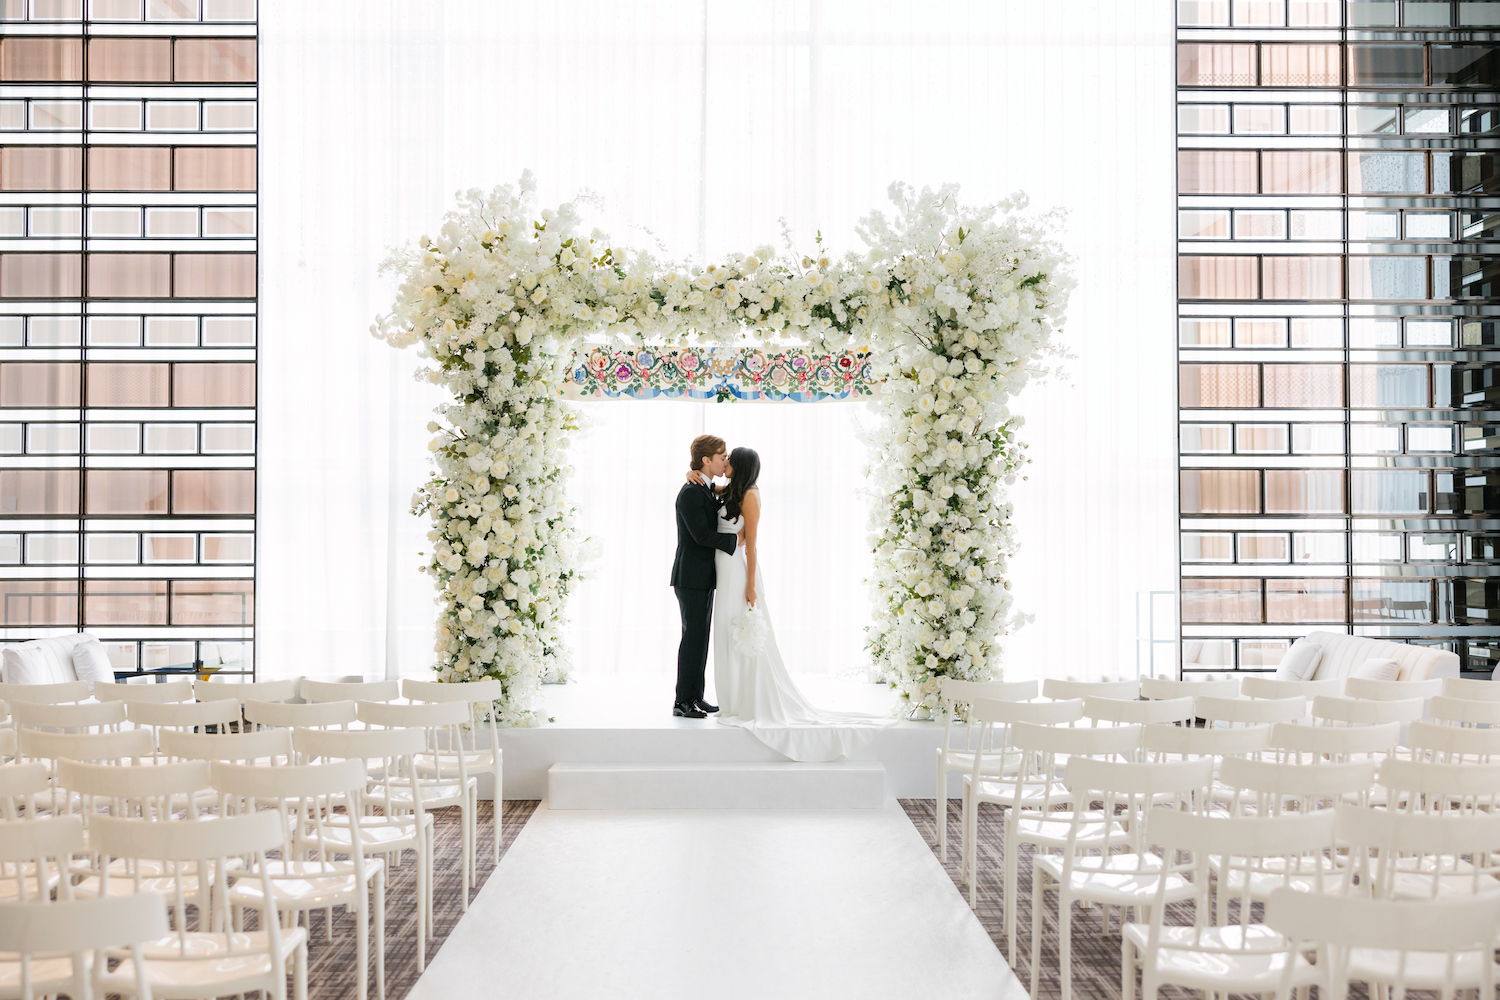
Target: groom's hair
x: 705, y: 446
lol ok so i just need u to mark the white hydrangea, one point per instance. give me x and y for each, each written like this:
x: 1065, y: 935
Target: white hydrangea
x: 959, y: 305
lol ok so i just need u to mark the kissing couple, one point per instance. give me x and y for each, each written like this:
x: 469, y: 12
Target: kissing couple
x: 721, y: 594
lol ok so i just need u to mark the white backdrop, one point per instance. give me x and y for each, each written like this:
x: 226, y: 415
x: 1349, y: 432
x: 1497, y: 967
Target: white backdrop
x: 705, y: 123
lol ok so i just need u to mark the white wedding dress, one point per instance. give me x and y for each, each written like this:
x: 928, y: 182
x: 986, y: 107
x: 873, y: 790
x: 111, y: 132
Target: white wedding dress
x: 755, y: 691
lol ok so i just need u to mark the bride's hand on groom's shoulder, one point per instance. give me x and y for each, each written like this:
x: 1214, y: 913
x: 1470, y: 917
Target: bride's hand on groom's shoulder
x: 695, y: 478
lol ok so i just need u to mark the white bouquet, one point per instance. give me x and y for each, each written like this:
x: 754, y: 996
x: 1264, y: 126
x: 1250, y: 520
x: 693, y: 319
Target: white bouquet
x: 750, y: 631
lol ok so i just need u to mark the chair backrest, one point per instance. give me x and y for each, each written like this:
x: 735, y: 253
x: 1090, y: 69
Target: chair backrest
x: 1134, y: 712
x: 427, y: 715
x: 183, y: 715
x: 1256, y: 686
x: 125, y: 745
x: 268, y: 746
x: 1404, y: 855
x: 165, y: 692
x: 31, y: 929
x: 305, y: 796
x: 1060, y: 690
x: 1464, y: 711
x: 361, y: 744
x: 79, y: 716
x: 20, y: 784
x: 147, y: 791
x: 44, y: 694
x: 1250, y: 711
x: 1160, y: 742
x: 1162, y: 688
x: 1373, y: 690
x: 1131, y: 790
x: 32, y: 850
x: 321, y: 691
x: 1453, y: 744
x: 1420, y: 786
x: 1361, y: 712
x: 317, y: 716
x: 472, y: 692
x: 241, y: 692
x: 1108, y: 741
x: 1454, y: 687
x: 1040, y: 713
x: 1296, y: 743
x: 1277, y: 788
x: 957, y: 697
x: 1333, y: 925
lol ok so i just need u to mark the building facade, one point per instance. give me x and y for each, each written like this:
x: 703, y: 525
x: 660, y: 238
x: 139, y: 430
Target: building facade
x: 1338, y: 297
x: 128, y: 284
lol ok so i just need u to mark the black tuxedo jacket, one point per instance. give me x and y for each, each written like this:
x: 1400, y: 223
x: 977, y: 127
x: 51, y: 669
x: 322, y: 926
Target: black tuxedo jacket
x: 698, y: 535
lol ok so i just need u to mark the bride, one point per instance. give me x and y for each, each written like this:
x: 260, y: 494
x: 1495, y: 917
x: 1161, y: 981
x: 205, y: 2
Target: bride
x: 754, y: 689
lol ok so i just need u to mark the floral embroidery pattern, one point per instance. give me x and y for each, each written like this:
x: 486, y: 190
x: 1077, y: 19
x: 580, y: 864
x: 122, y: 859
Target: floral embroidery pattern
x: 750, y: 375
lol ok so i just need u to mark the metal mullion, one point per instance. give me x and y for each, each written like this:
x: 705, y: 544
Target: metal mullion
x: 83, y: 290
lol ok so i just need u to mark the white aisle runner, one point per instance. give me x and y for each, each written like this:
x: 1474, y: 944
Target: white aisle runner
x: 707, y: 903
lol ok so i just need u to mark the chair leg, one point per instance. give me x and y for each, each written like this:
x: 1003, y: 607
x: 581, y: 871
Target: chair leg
x: 380, y: 934
x: 1127, y: 969
x: 424, y: 901
x: 941, y: 812
x: 299, y: 972
x: 362, y: 945
x: 1065, y: 942
x: 1012, y: 853
x: 499, y: 804
x: 1038, y: 900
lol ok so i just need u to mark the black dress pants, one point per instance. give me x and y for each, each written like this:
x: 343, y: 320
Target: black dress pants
x: 697, y: 607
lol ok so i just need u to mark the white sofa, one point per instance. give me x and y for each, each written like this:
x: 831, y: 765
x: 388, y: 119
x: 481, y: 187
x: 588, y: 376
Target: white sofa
x: 1343, y: 653
x: 76, y: 656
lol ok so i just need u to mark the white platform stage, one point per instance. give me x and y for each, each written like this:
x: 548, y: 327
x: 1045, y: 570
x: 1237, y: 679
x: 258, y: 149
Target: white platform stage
x: 614, y: 744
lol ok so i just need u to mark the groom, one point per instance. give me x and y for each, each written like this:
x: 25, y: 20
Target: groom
x: 693, y: 572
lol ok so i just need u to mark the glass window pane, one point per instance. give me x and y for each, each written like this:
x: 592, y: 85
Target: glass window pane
x: 1300, y: 171
x: 1259, y: 225
x: 229, y: 222
x: 1206, y: 439
x: 127, y: 491
x: 12, y: 439
x: 115, y: 222
x: 1203, y: 13
x: 41, y: 275
x: 1220, y: 491
x: 1203, y: 225
x: 1318, y: 439
x: 228, y: 439
x: 43, y: 59
x: 1261, y: 439
x: 1427, y: 13
x: 1422, y: 121
x: 1215, y: 64
x: 1387, y: 277
x: 51, y: 549
x: 1300, y: 65
x: 1259, y: 119
x: 122, y: 116
x: 229, y: 116
x: 1208, y: 654
x: 114, y: 439
x: 1388, y: 386
x: 130, y: 275
x: 1207, y: 546
x: 236, y: 548
x: 1315, y: 119
x: 213, y: 384
x: 1203, y: 119
x: 219, y: 491
x: 1262, y: 653
x: 1304, y: 491
x: 229, y: 331
x: 171, y: 439
x: 216, y: 60
x: 114, y: 331
x: 168, y: 222
x: 1374, y: 226
x: 1484, y: 13
x: 213, y: 602
x: 1393, y: 600
x: 130, y: 168
x: 1385, y: 66
x: 1465, y: 66
x: 1263, y: 13
x: 1375, y: 119
x: 1303, y: 386
x: 214, y: 275
x: 171, y: 10
x: 1219, y: 385
x: 1302, y: 277
x: 1317, y: 331
x: 155, y: 655
x: 39, y: 491
x: 1264, y: 547
x: 42, y: 384
x: 1317, y: 547
x: 1203, y: 332
x: 10, y: 550
x: 56, y: 222
x: 157, y: 547
x: 111, y: 548
x: 1208, y: 600
x: 13, y: 221
x: 1318, y: 600
x: 171, y: 331
x: 1216, y: 277
x: 1216, y: 171
x: 1260, y: 333
x: 38, y: 602
x: 172, y: 116
x: 1317, y: 225
x: 1430, y: 438
x: 50, y: 115
x: 1387, y: 172
x: 128, y: 384
x: 52, y: 439
x: 53, y: 331
x: 1429, y: 333
x: 215, y: 168
x: 1375, y: 439
x: 1388, y: 491
x: 125, y: 602
x: 1434, y: 548
x: 130, y: 60
x: 1369, y: 332
x: 1429, y: 226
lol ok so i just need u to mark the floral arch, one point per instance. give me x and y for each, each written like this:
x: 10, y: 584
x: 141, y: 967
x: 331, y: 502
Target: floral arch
x: 948, y: 313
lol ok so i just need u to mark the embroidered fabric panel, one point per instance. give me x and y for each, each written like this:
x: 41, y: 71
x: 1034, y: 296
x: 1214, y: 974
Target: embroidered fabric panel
x: 748, y: 375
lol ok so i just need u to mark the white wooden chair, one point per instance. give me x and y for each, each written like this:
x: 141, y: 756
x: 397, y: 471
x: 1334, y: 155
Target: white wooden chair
x: 481, y: 697
x: 44, y: 694
x: 20, y: 786
x: 1331, y: 711
x: 308, y: 875
x: 1133, y: 712
x: 1214, y: 955
x: 1468, y: 688
x: 1255, y: 686
x: 1444, y: 789
x: 35, y: 855
x: 158, y: 693
x: 1060, y: 690
x: 1273, y: 788
x: 315, y: 692
x: 1442, y: 944
x: 212, y: 961
x: 70, y: 717
x: 1441, y: 744
x: 323, y: 715
x: 1163, y: 688
x: 267, y: 747
x: 1464, y: 711
x: 1250, y: 711
x: 52, y: 948
x: 1128, y: 792
x: 954, y: 758
x: 1373, y: 690
x: 210, y: 690
x: 1403, y: 855
x: 1164, y: 743
x: 1296, y: 743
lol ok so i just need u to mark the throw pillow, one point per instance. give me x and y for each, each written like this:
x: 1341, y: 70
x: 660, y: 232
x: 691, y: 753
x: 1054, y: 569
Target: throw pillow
x: 90, y: 662
x: 1300, y: 662
x: 1378, y: 670
x: 24, y: 665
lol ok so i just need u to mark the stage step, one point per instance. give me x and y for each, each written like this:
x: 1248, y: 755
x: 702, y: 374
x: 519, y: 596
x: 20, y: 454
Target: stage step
x: 717, y: 785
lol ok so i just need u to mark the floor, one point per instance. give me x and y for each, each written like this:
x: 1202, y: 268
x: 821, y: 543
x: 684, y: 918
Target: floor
x: 660, y: 904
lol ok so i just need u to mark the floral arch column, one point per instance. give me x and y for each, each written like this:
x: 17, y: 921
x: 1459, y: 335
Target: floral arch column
x: 948, y: 313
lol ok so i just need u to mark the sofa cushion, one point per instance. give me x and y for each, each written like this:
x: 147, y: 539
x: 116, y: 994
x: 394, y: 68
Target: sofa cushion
x: 47, y: 661
x: 1378, y: 669
x: 90, y: 662
x: 1342, y: 653
x: 1300, y: 662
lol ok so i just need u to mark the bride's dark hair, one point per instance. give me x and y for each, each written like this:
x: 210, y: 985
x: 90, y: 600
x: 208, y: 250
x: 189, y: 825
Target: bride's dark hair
x: 746, y: 465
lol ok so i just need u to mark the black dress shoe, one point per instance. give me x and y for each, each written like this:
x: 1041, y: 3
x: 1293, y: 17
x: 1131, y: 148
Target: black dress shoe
x: 704, y: 706
x: 688, y: 710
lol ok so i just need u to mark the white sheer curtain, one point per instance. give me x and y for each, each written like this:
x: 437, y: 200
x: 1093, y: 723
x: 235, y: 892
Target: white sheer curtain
x: 704, y: 124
